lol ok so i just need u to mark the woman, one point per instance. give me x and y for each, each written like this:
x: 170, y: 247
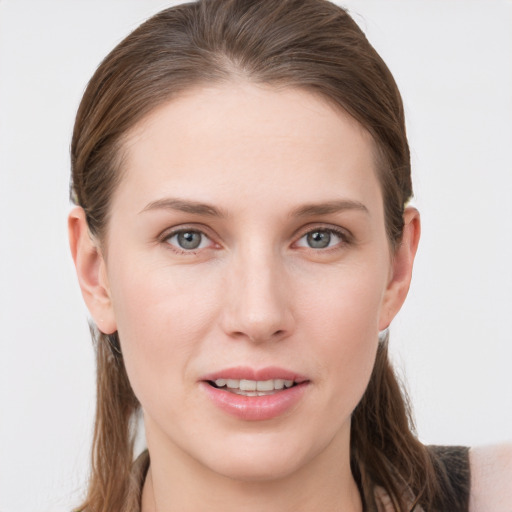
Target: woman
x: 243, y: 242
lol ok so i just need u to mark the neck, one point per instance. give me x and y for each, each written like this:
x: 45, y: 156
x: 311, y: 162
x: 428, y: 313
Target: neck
x: 177, y: 482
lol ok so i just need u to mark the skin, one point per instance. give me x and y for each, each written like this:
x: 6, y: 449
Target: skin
x: 254, y: 293
x: 491, y: 477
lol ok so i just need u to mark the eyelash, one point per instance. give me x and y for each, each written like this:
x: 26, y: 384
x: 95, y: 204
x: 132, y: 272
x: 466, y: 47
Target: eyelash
x: 344, y: 239
x: 166, y: 238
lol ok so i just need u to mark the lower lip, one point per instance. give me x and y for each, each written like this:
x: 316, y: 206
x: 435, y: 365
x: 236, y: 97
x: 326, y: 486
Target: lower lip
x: 256, y: 408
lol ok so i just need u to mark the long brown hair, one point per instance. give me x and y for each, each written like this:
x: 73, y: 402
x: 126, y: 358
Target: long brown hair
x: 310, y: 44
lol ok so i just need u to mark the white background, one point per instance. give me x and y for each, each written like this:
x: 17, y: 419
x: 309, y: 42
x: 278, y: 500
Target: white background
x: 453, y: 341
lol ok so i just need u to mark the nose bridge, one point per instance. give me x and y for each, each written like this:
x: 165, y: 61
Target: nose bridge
x: 258, y: 306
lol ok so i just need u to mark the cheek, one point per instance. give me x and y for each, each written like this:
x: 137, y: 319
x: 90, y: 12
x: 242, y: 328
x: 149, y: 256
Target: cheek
x: 163, y: 317
x: 346, y: 302
x: 344, y: 324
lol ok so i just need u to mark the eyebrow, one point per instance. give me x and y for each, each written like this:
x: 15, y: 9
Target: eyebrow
x: 184, y: 205
x: 309, y: 210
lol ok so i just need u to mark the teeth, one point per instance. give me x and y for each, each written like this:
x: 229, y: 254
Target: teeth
x: 248, y: 385
x: 279, y: 384
x: 254, y: 387
x: 264, y: 385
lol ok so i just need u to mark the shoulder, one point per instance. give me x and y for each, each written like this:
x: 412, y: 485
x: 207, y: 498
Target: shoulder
x: 491, y: 478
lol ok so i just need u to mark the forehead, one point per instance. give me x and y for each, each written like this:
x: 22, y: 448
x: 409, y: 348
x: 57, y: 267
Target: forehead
x: 248, y: 138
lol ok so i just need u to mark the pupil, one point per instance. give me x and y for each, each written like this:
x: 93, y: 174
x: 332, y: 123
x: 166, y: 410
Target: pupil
x: 189, y: 239
x: 319, y: 239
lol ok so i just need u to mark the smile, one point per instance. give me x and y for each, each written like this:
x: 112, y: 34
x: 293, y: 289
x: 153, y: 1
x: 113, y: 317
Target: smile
x: 255, y: 394
x: 247, y: 387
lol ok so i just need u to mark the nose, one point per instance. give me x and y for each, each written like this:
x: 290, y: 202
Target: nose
x: 257, y: 300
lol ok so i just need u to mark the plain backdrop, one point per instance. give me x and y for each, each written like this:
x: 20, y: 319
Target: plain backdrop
x: 452, y: 342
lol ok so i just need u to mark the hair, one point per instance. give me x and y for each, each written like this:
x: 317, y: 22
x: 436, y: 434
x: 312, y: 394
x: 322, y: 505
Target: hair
x: 309, y: 44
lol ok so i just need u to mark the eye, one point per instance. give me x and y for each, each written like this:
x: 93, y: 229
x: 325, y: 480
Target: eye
x: 321, y: 238
x: 188, y: 240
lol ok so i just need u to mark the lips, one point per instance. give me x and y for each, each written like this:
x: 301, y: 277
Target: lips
x: 254, y: 395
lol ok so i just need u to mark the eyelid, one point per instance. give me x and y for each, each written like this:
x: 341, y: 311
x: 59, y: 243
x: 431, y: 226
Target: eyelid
x: 344, y: 234
x: 175, y: 230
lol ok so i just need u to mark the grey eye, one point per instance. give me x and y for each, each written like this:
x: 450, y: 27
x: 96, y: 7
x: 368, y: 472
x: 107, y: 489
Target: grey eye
x: 188, y: 240
x: 319, y: 239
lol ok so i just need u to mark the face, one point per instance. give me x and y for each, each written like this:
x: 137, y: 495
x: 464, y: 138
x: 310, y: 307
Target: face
x: 248, y: 274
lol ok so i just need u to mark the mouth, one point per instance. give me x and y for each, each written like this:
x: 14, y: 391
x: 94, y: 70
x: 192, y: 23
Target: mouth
x: 255, y: 394
x: 246, y: 387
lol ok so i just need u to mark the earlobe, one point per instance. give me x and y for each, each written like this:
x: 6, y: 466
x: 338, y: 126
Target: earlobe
x: 401, y: 268
x: 91, y: 271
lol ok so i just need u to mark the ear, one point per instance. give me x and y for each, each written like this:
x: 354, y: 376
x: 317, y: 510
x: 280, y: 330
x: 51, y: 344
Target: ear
x: 401, y: 268
x: 91, y: 271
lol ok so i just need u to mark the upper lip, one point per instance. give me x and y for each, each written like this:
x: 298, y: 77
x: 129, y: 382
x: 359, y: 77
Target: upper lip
x: 258, y: 374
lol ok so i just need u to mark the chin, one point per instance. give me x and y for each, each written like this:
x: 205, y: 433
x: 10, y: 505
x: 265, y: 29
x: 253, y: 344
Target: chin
x: 255, y: 460
x: 256, y: 470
